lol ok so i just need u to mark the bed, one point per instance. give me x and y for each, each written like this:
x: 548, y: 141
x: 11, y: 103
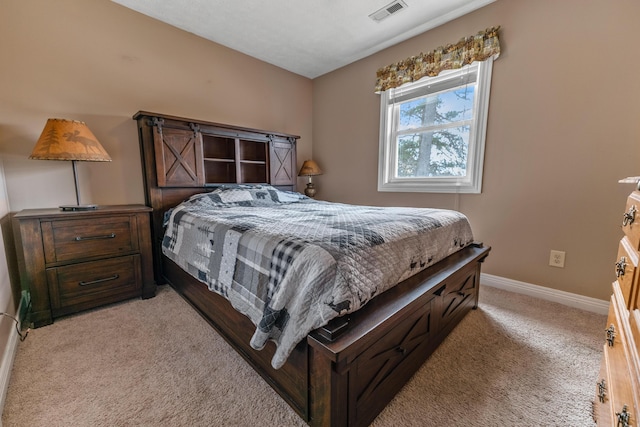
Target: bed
x: 344, y: 370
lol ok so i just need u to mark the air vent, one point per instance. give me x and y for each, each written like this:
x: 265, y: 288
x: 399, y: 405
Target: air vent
x: 388, y: 10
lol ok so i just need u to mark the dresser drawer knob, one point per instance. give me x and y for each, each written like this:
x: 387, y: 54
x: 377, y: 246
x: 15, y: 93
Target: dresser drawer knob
x: 621, y: 265
x: 611, y: 334
x: 602, y: 391
x: 401, y: 350
x: 106, y: 236
x: 623, y: 417
x: 93, y: 282
x: 629, y: 217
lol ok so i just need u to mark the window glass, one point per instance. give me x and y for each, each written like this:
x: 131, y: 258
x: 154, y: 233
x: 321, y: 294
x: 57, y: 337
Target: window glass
x: 432, y: 132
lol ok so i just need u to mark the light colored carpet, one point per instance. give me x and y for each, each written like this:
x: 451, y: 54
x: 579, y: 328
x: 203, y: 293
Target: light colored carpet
x: 516, y: 360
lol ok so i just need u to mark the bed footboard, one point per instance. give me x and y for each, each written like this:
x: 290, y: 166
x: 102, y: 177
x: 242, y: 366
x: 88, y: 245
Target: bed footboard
x: 355, y: 376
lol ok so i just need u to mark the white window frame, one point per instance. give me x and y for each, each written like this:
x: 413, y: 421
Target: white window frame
x: 472, y: 182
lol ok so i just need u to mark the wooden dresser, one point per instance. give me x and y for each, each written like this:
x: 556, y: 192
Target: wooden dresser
x: 76, y: 260
x: 617, y: 401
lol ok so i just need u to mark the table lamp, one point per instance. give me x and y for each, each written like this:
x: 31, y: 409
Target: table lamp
x: 310, y: 168
x: 69, y: 140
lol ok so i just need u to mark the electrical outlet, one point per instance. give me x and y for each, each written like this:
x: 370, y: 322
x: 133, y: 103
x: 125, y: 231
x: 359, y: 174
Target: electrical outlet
x: 556, y: 259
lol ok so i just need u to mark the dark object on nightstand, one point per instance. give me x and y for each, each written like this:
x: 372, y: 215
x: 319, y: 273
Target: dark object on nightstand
x: 76, y: 260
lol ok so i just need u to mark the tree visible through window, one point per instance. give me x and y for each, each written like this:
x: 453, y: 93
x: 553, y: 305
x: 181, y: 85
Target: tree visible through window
x: 433, y: 135
x: 432, y: 132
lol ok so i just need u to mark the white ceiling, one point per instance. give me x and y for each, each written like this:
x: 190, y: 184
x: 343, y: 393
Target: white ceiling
x: 307, y: 37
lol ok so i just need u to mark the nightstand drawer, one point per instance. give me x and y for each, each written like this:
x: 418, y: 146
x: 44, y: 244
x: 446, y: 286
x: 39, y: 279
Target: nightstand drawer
x: 85, y: 238
x: 93, y: 283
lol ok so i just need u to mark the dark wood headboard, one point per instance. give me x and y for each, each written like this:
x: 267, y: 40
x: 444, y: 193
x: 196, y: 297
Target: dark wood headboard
x: 182, y: 157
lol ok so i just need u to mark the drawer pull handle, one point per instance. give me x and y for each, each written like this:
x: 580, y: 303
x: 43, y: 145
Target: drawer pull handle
x: 629, y: 217
x: 621, y: 266
x: 623, y: 417
x: 440, y: 291
x: 108, y: 236
x: 611, y: 334
x: 93, y: 282
x: 602, y: 390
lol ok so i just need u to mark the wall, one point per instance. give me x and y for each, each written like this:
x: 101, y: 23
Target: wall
x: 8, y: 303
x: 99, y: 62
x: 563, y: 128
x: 563, y: 124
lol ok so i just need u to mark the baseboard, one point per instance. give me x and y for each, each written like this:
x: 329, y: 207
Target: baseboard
x: 572, y: 300
x: 6, y: 360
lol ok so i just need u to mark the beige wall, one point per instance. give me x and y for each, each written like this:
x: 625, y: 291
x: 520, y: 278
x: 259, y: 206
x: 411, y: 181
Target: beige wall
x: 563, y: 121
x: 99, y: 62
x: 563, y: 128
x: 8, y: 303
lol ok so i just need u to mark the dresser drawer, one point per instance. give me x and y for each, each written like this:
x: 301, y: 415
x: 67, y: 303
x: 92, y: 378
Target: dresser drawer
x: 93, y: 283
x: 631, y: 220
x: 618, y: 366
x: 602, y: 405
x: 634, y: 326
x: 618, y: 394
x: 76, y: 239
x: 626, y: 269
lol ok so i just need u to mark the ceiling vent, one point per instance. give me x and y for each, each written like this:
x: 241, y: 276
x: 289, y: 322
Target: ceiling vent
x: 388, y: 10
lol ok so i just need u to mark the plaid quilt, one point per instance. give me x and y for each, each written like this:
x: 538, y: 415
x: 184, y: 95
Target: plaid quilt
x: 291, y: 263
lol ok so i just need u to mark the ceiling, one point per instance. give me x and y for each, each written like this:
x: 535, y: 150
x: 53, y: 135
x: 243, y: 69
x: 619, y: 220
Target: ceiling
x: 306, y: 37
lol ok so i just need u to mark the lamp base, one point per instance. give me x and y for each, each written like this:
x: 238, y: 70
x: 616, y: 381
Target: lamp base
x: 310, y: 190
x: 78, y: 207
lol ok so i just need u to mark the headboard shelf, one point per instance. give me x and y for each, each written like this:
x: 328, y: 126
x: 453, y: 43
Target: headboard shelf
x: 218, y: 147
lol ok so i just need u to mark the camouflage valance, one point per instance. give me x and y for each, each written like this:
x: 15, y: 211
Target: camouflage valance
x: 483, y: 45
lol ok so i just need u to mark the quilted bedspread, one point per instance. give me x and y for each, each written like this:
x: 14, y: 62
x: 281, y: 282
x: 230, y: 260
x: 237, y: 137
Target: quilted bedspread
x: 291, y: 263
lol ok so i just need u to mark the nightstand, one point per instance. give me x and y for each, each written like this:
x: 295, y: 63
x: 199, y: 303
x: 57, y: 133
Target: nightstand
x: 76, y: 260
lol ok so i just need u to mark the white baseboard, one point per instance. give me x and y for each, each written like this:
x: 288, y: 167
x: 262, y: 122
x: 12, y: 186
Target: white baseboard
x: 572, y: 300
x: 6, y: 361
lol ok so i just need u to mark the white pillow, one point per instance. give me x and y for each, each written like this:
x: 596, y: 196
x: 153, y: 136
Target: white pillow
x: 235, y: 195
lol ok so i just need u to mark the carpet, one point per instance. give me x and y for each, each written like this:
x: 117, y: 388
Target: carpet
x: 516, y: 360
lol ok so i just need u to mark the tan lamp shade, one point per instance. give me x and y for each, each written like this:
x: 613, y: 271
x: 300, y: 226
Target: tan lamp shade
x: 68, y: 140
x: 310, y: 168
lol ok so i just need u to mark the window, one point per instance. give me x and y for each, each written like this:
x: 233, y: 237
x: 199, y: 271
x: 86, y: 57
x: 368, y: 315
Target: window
x: 432, y: 132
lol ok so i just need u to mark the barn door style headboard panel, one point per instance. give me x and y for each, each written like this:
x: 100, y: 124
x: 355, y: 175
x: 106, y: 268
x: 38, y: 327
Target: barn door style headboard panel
x: 195, y: 153
x: 182, y: 157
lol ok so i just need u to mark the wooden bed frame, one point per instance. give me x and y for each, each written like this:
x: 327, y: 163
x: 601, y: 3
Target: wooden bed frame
x: 342, y: 374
